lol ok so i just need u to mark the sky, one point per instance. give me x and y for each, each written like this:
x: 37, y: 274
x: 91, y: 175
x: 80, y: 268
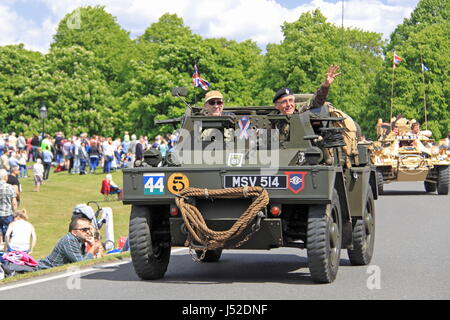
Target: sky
x: 34, y: 22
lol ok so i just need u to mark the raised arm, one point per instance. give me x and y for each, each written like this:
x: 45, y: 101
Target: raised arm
x: 321, y: 94
x: 331, y: 75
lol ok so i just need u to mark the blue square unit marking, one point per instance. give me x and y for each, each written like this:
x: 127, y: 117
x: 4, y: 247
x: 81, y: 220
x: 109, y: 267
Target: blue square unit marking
x: 154, y: 183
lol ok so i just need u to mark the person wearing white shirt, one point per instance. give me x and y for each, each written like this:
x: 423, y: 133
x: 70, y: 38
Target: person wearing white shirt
x: 38, y: 173
x: 108, y: 154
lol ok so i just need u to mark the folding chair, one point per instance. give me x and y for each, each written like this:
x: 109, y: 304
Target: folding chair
x: 106, y: 190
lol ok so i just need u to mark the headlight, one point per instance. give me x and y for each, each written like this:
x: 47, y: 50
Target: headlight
x: 386, y: 152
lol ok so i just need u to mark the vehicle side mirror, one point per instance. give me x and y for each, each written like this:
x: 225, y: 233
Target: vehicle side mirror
x: 179, y: 92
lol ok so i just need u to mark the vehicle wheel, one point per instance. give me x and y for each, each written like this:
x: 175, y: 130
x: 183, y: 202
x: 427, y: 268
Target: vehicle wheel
x: 379, y: 175
x: 324, y: 239
x: 210, y: 255
x: 150, y: 258
x: 443, y: 180
x: 364, y: 235
x: 429, y: 186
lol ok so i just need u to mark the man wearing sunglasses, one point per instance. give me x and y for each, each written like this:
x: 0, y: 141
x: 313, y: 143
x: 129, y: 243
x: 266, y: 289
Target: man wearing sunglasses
x: 213, y: 103
x: 213, y: 106
x: 71, y: 247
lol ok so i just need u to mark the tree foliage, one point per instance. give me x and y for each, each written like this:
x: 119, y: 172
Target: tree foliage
x: 96, y: 79
x: 16, y: 70
x: 424, y: 38
x: 310, y: 45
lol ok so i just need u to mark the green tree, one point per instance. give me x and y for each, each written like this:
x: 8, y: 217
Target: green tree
x: 426, y: 13
x: 77, y: 97
x: 98, y: 31
x: 424, y: 38
x: 167, y: 53
x: 17, y: 64
x: 310, y: 46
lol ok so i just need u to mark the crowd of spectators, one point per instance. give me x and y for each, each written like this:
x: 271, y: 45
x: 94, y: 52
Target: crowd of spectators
x: 80, y: 154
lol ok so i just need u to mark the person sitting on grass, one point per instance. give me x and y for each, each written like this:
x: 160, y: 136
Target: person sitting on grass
x: 110, y: 187
x: 71, y: 247
x: 20, y: 232
x: 114, y: 188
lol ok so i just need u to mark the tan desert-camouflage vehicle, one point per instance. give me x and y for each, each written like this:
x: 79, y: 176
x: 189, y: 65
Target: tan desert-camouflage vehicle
x: 403, y: 156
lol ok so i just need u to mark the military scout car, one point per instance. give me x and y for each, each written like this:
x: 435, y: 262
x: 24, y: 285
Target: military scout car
x: 408, y: 157
x: 252, y: 179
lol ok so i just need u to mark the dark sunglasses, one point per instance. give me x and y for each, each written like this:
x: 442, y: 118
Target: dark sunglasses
x: 85, y: 229
x: 215, y: 102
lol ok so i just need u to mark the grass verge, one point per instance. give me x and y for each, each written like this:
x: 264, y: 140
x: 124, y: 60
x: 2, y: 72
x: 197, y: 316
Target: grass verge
x: 86, y: 263
x: 50, y: 211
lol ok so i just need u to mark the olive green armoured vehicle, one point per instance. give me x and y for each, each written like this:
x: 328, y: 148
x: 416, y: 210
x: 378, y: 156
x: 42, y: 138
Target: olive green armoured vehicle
x: 402, y: 156
x: 253, y: 179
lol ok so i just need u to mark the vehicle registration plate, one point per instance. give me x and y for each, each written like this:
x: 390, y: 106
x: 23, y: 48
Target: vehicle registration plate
x: 268, y: 182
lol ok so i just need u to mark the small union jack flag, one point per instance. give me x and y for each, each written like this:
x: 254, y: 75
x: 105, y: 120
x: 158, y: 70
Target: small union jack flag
x: 397, y: 60
x: 197, y: 81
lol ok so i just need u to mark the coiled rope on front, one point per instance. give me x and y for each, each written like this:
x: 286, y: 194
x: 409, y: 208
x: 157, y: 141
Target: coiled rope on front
x: 196, y: 225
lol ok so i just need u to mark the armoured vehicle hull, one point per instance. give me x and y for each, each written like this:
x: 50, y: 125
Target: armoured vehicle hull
x: 310, y: 200
x: 318, y: 187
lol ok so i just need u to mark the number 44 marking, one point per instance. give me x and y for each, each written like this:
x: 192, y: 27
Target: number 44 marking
x: 154, y: 184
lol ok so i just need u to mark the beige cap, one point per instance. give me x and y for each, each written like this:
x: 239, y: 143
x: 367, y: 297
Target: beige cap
x: 213, y: 95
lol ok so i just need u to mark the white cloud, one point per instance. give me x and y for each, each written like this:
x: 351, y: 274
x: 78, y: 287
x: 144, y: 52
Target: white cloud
x: 16, y: 29
x: 259, y: 20
x: 369, y: 15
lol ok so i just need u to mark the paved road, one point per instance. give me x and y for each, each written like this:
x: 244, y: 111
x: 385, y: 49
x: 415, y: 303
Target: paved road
x: 411, y: 261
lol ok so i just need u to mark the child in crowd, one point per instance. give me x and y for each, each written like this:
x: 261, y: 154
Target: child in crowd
x: 38, y: 172
x: 20, y: 232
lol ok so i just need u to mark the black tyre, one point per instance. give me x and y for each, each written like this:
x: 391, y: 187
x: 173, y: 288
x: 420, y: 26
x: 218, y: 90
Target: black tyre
x: 379, y: 175
x: 364, y: 234
x: 443, y: 180
x: 150, y: 258
x: 429, y: 186
x: 210, y: 255
x: 324, y: 237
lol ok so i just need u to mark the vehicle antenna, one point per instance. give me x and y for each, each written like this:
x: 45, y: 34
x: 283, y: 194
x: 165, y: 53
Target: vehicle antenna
x: 342, y: 49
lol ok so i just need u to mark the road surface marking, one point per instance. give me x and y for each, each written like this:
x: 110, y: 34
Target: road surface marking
x: 71, y: 274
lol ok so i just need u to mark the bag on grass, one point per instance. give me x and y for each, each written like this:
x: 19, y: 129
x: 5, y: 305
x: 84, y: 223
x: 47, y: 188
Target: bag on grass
x: 20, y: 258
